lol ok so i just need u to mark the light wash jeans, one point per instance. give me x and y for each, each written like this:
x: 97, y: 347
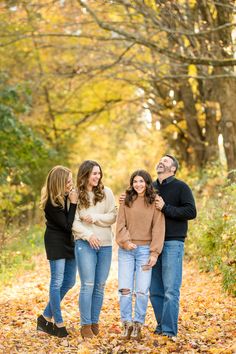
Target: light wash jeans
x: 63, y: 276
x: 93, y: 266
x: 132, y: 277
x: 165, y: 287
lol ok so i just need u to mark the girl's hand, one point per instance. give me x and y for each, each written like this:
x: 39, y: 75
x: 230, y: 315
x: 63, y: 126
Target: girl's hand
x: 152, y: 261
x: 87, y: 218
x: 73, y: 196
x: 122, y: 198
x: 130, y: 246
x: 94, y: 242
x: 159, y: 202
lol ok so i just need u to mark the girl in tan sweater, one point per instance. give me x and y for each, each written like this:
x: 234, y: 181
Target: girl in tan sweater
x: 140, y: 233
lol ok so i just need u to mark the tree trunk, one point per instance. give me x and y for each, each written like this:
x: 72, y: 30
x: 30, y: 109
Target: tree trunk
x: 212, y: 133
x: 226, y: 89
x: 212, y: 117
x: 196, y: 148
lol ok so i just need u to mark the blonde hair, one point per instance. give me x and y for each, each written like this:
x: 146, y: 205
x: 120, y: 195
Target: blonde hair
x: 54, y: 187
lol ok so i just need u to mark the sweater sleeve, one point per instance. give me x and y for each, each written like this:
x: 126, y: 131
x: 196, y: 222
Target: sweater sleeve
x: 122, y: 233
x: 158, y: 233
x: 186, y: 209
x: 109, y: 217
x: 79, y: 230
x: 57, y: 216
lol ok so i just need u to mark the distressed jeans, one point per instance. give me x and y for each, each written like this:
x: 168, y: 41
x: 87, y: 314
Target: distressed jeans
x: 165, y: 287
x: 93, y: 266
x: 63, y: 276
x: 133, y: 279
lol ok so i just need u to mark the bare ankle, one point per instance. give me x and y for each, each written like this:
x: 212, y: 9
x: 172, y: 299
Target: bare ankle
x: 60, y: 325
x: 49, y: 319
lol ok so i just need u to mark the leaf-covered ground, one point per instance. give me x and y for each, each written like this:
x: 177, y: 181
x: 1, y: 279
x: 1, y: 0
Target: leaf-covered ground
x: 207, y: 318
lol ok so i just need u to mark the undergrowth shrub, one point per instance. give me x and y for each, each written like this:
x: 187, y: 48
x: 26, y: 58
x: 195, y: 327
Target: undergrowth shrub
x: 212, y: 236
x: 17, y: 255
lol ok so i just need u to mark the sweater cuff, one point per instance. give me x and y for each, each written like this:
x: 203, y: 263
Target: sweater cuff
x: 94, y: 219
x: 87, y: 236
x: 84, y: 236
x: 73, y: 206
x: 124, y: 244
x: 154, y: 254
x: 164, y: 208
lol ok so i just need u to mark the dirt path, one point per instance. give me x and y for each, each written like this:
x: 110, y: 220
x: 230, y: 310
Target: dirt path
x: 207, y: 318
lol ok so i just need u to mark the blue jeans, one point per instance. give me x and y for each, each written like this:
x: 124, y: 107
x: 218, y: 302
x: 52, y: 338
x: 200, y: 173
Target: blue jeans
x: 63, y: 276
x: 133, y: 279
x: 93, y: 266
x: 165, y: 287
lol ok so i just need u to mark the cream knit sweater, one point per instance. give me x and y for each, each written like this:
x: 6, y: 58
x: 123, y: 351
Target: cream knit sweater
x: 103, y: 215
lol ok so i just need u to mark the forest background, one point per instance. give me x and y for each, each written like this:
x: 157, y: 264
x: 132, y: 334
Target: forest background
x: 121, y: 82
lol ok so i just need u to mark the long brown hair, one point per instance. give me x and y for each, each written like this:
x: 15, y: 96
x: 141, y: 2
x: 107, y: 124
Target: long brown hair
x: 54, y: 187
x: 132, y: 195
x: 85, y: 170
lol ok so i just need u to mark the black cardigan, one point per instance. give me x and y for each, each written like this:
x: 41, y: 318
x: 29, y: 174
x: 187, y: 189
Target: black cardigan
x: 58, y: 235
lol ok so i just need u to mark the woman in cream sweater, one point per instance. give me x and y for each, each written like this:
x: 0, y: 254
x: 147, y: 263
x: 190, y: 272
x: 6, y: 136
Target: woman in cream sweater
x: 92, y: 232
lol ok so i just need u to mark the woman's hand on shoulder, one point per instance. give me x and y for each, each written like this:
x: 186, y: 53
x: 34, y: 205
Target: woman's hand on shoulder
x: 122, y: 198
x: 94, y: 242
x: 73, y: 196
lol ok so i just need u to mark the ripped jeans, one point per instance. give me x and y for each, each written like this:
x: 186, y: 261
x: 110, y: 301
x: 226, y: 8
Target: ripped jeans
x: 133, y: 279
x: 93, y: 266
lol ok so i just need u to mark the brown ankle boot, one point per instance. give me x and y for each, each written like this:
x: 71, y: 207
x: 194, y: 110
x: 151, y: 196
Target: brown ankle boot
x: 95, y: 328
x: 136, y: 333
x: 86, y: 331
x: 127, y: 329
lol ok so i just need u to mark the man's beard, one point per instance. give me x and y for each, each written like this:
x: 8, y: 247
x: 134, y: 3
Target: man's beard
x: 164, y: 170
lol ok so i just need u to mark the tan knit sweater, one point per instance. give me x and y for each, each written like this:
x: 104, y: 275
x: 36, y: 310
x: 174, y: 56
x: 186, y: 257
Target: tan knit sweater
x: 142, y: 225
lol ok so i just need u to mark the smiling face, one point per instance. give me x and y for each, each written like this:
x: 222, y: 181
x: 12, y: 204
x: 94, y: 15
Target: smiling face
x: 166, y: 166
x: 139, y: 185
x: 94, y: 177
x: 69, y: 184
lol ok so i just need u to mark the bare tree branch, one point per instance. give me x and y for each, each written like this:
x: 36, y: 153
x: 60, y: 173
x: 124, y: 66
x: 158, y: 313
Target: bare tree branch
x: 139, y: 39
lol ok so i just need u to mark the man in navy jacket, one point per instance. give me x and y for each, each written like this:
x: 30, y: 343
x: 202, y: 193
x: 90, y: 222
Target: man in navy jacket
x: 175, y: 200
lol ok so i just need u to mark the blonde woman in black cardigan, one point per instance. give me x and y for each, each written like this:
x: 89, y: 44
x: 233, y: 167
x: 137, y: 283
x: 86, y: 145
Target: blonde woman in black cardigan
x: 59, y: 202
